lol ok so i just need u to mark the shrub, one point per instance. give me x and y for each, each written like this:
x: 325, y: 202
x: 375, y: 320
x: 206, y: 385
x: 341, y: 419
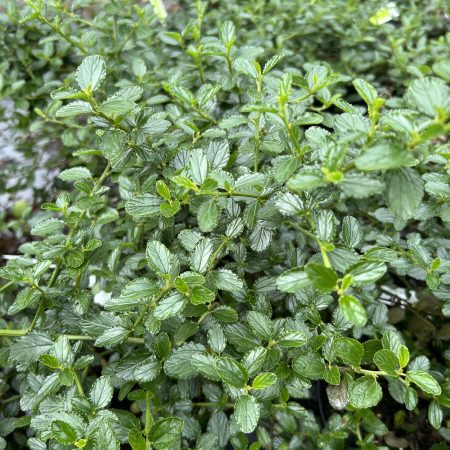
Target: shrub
x: 248, y: 247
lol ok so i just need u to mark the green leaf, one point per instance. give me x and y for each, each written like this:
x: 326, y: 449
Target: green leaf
x: 115, y: 106
x: 200, y: 258
x: 24, y: 298
x: 310, y: 365
x: 63, y: 350
x: 429, y: 95
x: 200, y: 295
x: 133, y: 294
x: 63, y: 432
x: 179, y: 364
x: 112, y: 337
x: 138, y: 366
x: 349, y: 350
x: 384, y: 156
x: 208, y: 215
x: 216, y: 338
x: 170, y: 306
x: 403, y: 355
x: 357, y: 185
x: 232, y: 372
x: 227, y: 33
x: 264, y: 380
x: 325, y: 225
x: 159, y: 258
x: 225, y: 280
x: 101, y: 392
x: 351, y: 232
x: 306, y: 179
x: 30, y: 347
x: 352, y: 310
x: 291, y: 338
x: 260, y: 324
x: 293, y: 280
x: 105, y: 438
x: 435, y: 414
x: 387, y: 361
x: 75, y: 174
x: 206, y: 365
x: 365, y: 392
x: 225, y: 314
x: 404, y: 192
x: 47, y: 226
x: 365, y: 90
x: 74, y: 109
x: 165, y: 432
x: 146, y: 205
x: 254, y: 359
x: 247, y: 67
x: 332, y: 375
x: 411, y: 399
x: 136, y: 440
x: 91, y: 73
x: 366, y: 272
x: 323, y: 278
x: 198, y: 163
x: 246, y: 413
x: 425, y: 381
x: 442, y: 69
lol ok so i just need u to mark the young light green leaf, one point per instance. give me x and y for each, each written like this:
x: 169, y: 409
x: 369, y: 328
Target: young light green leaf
x: 352, y: 310
x: 323, y: 278
x: 264, y: 380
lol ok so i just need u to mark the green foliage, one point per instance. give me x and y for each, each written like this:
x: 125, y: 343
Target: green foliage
x: 246, y: 244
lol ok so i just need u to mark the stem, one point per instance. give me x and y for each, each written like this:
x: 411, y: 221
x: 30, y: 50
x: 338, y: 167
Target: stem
x: 11, y: 399
x: 6, y: 286
x: 216, y: 253
x: 63, y: 35
x: 303, y: 230
x: 205, y: 115
x: 325, y: 259
x: 200, y: 320
x: 374, y: 373
x: 225, y: 405
x: 148, y: 416
x: 233, y: 194
x: 110, y: 120
x: 71, y: 337
x: 257, y: 123
x: 228, y: 60
x: 78, y: 383
x: 145, y: 310
x: 8, y: 332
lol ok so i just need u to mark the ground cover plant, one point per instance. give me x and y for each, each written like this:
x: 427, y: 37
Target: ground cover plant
x: 245, y: 243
